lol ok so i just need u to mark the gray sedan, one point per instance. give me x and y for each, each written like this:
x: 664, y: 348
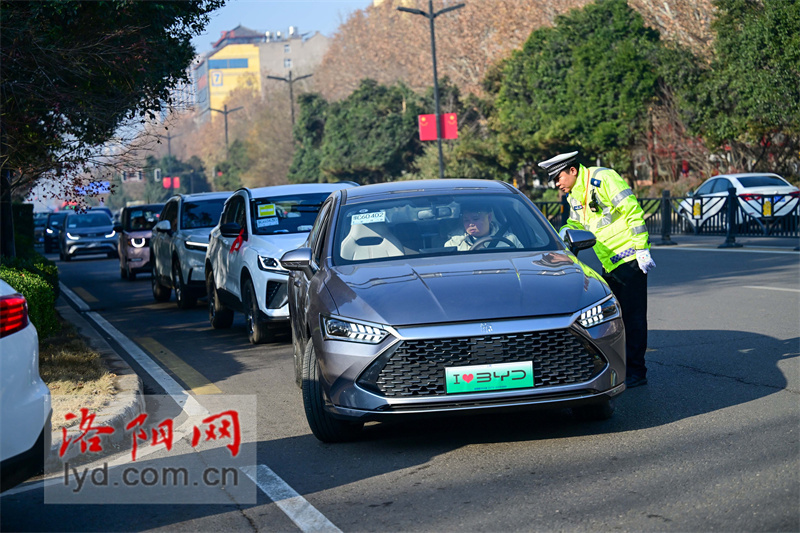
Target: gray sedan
x: 86, y: 234
x: 435, y: 297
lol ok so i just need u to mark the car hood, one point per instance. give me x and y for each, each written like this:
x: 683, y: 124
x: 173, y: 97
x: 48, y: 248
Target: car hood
x: 139, y: 234
x: 276, y: 245
x: 456, y: 289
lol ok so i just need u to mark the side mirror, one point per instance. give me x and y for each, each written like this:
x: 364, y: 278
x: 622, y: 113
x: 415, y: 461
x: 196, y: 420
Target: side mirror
x: 298, y: 261
x: 231, y: 229
x: 689, y: 193
x: 578, y: 239
x: 163, y: 226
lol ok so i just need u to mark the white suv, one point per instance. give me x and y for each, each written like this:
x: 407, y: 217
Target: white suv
x: 178, y: 246
x: 25, y: 408
x: 242, y: 269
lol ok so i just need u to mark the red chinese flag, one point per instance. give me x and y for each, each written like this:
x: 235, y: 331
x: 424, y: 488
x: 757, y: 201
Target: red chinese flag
x: 176, y: 182
x: 449, y: 126
x: 166, y: 182
x: 427, y: 127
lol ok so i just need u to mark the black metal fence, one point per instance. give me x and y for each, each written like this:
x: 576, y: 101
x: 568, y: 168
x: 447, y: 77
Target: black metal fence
x: 752, y: 215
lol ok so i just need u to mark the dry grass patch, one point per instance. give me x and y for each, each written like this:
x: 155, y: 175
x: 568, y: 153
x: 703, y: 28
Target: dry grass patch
x: 75, y: 374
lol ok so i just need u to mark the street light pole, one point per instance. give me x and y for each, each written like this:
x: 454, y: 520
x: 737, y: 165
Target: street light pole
x: 225, y: 113
x: 291, y: 81
x: 431, y: 15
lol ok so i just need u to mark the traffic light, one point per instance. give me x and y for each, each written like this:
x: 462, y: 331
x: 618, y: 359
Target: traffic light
x: 156, y: 175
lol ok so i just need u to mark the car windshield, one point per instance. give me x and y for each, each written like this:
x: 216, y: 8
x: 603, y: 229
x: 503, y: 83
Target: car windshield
x: 88, y: 220
x: 286, y: 214
x: 423, y: 226
x: 142, y: 218
x: 201, y: 213
x: 762, y: 181
x: 56, y: 220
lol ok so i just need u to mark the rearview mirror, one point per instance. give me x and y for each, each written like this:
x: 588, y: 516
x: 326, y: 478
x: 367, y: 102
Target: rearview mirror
x: 163, y: 226
x: 298, y: 261
x: 230, y: 229
x: 578, y: 239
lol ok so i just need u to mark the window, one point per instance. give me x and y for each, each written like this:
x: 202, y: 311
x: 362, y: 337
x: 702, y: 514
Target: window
x: 287, y: 63
x: 171, y: 213
x: 722, y: 185
x: 228, y: 63
x: 287, y: 49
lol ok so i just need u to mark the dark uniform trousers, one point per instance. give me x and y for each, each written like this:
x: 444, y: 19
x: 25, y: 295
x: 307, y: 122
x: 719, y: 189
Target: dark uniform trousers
x: 629, y: 285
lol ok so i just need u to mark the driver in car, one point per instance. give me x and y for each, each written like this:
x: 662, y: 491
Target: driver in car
x: 481, y: 229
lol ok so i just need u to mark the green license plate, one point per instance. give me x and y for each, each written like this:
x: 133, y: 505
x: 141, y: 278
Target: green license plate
x: 481, y: 378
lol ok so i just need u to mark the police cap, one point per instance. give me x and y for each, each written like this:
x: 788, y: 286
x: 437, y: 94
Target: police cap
x: 555, y: 165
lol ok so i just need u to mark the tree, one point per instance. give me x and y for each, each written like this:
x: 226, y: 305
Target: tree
x: 309, y: 131
x: 586, y: 83
x: 749, y: 97
x: 371, y: 136
x: 73, y: 72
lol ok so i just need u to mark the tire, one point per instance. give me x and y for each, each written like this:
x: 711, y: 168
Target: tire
x: 219, y: 316
x: 123, y: 273
x: 160, y: 292
x: 183, y: 295
x: 324, y: 426
x: 257, y: 331
x: 131, y: 275
x: 596, y: 411
x: 67, y: 258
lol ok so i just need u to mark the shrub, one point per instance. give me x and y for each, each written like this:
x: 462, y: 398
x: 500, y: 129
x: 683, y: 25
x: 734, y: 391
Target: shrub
x: 40, y: 296
x: 37, y: 264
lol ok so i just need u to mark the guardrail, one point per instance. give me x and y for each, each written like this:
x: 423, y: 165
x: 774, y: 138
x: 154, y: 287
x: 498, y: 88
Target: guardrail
x: 729, y: 215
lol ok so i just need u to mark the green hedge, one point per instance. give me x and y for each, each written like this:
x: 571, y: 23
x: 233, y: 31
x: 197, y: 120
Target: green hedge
x: 37, y: 280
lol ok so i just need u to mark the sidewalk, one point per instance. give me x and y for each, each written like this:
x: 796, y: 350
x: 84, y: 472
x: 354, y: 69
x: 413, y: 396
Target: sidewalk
x: 127, y: 404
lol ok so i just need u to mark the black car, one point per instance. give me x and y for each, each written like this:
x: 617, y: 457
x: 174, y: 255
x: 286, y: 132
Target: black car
x: 438, y: 297
x: 51, y: 230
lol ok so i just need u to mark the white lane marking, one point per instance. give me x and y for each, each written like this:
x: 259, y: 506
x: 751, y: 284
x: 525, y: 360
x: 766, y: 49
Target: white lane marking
x: 302, y: 513
x: 187, y: 402
x: 758, y: 287
x: 297, y: 508
x: 82, y: 306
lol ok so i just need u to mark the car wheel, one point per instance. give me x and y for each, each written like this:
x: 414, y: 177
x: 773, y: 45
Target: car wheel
x: 257, y: 331
x: 596, y: 411
x: 219, y: 316
x: 160, y: 292
x: 183, y: 296
x: 324, y: 426
x: 67, y: 257
x: 131, y: 275
x: 123, y: 273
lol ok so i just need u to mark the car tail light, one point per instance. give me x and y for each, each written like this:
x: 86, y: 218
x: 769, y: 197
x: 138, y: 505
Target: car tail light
x: 749, y: 197
x: 795, y: 194
x: 13, y: 314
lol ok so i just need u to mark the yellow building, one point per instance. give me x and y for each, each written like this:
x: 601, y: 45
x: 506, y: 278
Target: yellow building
x: 228, y: 69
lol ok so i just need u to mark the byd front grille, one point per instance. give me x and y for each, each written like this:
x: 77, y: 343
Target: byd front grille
x: 416, y: 367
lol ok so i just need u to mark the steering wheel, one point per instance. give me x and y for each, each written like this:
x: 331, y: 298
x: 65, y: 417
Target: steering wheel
x: 483, y: 242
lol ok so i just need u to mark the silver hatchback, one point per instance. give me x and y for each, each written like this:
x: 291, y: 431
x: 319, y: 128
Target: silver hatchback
x: 445, y: 296
x: 87, y: 234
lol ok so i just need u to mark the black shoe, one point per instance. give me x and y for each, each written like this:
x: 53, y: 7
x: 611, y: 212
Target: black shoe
x: 635, y: 381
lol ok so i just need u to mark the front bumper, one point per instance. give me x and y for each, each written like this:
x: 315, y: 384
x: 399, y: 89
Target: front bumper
x: 88, y: 247
x: 404, y: 375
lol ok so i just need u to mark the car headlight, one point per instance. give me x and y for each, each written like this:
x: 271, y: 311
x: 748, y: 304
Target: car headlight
x: 602, y: 312
x: 137, y: 243
x: 352, y: 331
x: 197, y: 246
x: 72, y: 237
x: 49, y: 230
x: 270, y: 264
x: 109, y: 235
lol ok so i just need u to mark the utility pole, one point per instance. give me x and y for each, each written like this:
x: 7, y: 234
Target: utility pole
x: 225, y: 113
x: 290, y: 81
x: 431, y: 15
x: 169, y: 138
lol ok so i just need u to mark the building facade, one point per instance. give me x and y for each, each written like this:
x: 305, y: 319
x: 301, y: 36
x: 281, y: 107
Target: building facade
x: 244, y: 56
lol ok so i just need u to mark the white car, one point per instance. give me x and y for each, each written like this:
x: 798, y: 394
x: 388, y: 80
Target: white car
x: 178, y: 246
x: 761, y: 195
x: 242, y: 270
x: 25, y: 407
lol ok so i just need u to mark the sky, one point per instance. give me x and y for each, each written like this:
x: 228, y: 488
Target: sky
x: 323, y: 16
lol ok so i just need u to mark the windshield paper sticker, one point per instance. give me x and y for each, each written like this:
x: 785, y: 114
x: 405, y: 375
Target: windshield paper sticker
x: 266, y: 210
x: 264, y: 222
x: 368, y: 218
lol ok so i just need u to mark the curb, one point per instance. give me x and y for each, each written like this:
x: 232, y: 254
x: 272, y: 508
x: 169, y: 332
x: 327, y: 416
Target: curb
x: 127, y: 404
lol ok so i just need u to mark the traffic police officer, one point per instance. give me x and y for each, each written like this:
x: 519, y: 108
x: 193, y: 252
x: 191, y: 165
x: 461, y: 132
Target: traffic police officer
x: 601, y: 202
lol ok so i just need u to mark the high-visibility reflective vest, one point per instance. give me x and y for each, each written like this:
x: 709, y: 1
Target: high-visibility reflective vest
x: 601, y: 202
